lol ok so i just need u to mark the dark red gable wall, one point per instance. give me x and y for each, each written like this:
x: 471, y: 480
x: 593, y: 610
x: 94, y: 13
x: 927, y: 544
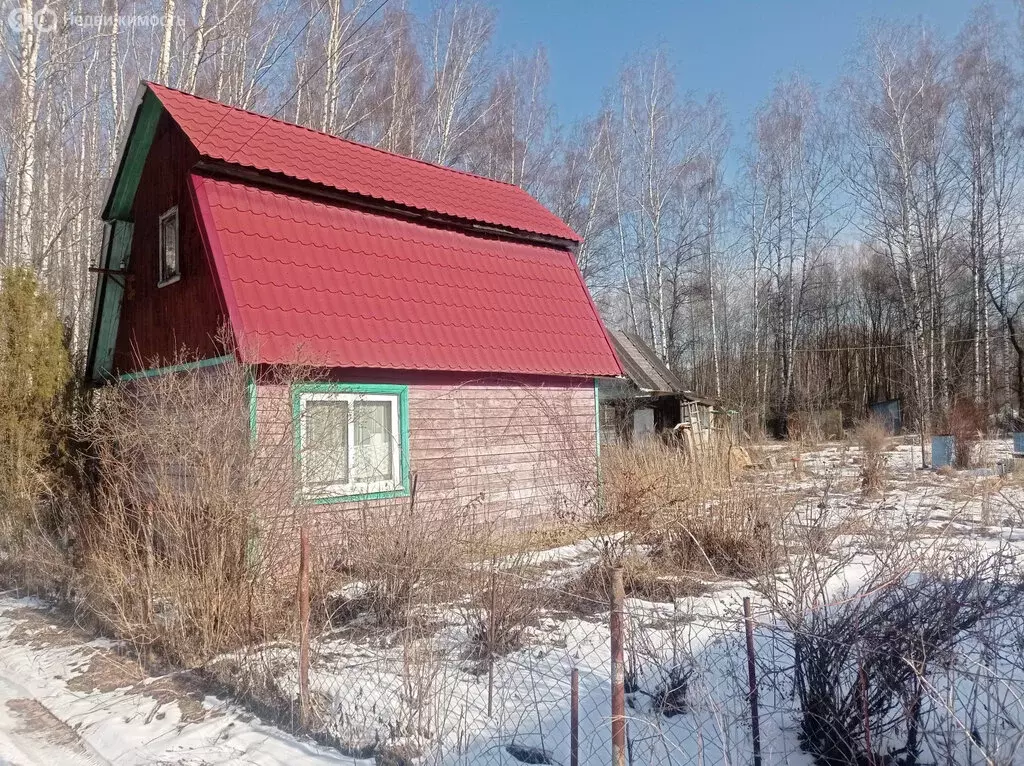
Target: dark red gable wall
x: 157, y: 323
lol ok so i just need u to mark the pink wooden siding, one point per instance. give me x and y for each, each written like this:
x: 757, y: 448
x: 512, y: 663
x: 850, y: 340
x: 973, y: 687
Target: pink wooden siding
x: 509, y: 452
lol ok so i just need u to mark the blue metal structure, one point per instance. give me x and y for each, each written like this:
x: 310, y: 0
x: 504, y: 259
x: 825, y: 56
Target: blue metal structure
x: 1018, y: 443
x: 942, y: 451
x: 890, y: 413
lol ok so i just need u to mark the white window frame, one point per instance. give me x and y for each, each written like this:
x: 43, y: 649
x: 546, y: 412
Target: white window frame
x: 352, y: 488
x: 162, y: 280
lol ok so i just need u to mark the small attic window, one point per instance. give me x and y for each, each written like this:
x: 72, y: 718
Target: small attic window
x: 170, y: 265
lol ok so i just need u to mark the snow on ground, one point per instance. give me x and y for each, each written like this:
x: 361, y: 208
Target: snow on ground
x: 371, y: 689
x: 65, y: 699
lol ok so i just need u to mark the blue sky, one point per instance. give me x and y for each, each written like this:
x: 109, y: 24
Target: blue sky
x: 737, y: 48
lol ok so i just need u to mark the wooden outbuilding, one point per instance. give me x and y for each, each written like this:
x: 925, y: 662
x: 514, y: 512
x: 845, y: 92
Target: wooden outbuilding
x: 650, y: 400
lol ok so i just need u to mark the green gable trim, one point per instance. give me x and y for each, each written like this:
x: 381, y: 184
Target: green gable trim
x: 402, y: 392
x: 156, y: 371
x: 117, y: 247
x: 129, y: 173
x: 118, y: 251
x: 97, y: 302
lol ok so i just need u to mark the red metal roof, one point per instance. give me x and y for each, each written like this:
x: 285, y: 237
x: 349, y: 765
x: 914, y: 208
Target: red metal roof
x: 221, y: 132
x: 314, y: 282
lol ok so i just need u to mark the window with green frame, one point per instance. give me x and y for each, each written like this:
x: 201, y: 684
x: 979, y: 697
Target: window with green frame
x: 352, y: 441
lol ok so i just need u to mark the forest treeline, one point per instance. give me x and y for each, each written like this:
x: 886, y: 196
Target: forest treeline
x: 848, y: 245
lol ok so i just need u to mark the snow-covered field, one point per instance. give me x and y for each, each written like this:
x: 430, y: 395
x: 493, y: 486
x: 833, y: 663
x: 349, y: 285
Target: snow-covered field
x: 420, y: 699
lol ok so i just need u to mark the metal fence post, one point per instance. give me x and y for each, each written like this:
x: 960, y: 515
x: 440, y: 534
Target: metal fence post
x: 574, y: 718
x: 618, y: 670
x: 491, y: 642
x: 303, y: 599
x: 755, y: 722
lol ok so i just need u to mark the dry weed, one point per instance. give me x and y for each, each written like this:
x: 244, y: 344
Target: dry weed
x: 966, y: 422
x: 733, y: 535
x: 873, y: 440
x: 687, y: 515
x: 192, y: 528
x: 645, y: 483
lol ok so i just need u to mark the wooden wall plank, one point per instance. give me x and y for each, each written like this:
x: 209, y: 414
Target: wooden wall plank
x: 504, y: 451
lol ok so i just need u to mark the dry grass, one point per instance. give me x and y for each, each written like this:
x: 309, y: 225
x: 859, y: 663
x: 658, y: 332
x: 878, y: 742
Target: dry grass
x: 690, y: 516
x: 642, y: 577
x: 873, y: 440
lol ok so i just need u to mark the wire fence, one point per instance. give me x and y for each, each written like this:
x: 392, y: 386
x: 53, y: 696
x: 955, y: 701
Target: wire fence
x: 528, y: 670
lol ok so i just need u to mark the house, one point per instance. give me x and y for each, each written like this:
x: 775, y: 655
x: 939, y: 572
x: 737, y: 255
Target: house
x: 449, y: 329
x: 651, y: 399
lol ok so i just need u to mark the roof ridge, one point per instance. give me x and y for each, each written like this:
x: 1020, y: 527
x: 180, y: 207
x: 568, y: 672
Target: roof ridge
x: 270, y: 118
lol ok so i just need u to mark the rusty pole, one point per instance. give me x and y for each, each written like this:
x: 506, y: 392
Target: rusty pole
x: 755, y: 722
x: 618, y: 670
x: 303, y: 598
x: 574, y: 718
x: 491, y: 643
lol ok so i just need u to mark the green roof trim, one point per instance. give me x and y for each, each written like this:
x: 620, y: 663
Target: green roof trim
x: 117, y: 241
x: 118, y: 251
x: 133, y: 160
x: 250, y: 392
x: 198, y: 365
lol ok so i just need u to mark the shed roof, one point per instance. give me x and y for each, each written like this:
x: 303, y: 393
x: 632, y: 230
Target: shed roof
x: 642, y: 366
x: 260, y: 142
x: 647, y: 371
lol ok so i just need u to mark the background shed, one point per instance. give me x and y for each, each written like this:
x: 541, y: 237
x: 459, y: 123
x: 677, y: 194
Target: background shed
x: 651, y: 400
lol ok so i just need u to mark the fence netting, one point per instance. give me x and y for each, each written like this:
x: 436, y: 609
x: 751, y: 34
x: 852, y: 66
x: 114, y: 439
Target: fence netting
x: 518, y: 665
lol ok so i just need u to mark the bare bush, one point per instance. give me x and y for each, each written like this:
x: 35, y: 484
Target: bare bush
x: 966, y: 423
x: 192, y: 531
x: 861, y: 668
x: 868, y: 647
x: 401, y: 556
x: 503, y: 604
x: 873, y: 440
